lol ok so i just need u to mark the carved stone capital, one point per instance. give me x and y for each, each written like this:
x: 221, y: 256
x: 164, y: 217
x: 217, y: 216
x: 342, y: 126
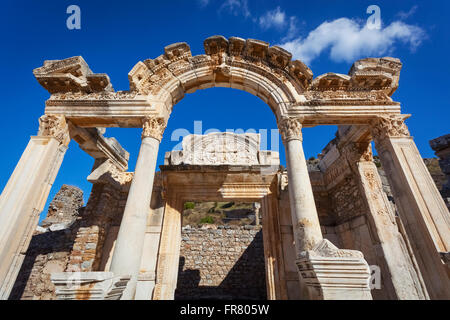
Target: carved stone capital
x: 54, y: 126
x: 153, y: 127
x: 357, y: 152
x: 389, y: 127
x: 290, y: 129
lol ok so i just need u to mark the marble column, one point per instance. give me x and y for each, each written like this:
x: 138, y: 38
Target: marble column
x: 420, y: 205
x: 169, y: 250
x: 25, y: 195
x: 147, y: 274
x: 305, y: 220
x: 325, y: 272
x: 401, y: 280
x: 127, y: 254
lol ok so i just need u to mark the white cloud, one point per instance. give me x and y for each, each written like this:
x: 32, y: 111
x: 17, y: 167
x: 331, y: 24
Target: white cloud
x: 292, y: 30
x: 236, y: 7
x: 203, y: 3
x: 349, y: 40
x: 405, y: 15
x: 274, y: 18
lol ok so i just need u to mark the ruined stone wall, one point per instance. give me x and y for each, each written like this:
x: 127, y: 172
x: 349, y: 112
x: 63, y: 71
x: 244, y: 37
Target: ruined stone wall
x: 441, y: 147
x: 346, y: 200
x: 224, y: 262
x: 103, y: 211
x: 70, y: 239
x: 50, y: 246
x: 351, y: 229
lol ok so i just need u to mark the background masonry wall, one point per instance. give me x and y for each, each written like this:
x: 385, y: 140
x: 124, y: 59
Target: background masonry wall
x: 221, y: 262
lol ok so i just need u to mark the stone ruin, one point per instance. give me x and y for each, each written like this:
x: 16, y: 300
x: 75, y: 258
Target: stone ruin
x: 335, y: 214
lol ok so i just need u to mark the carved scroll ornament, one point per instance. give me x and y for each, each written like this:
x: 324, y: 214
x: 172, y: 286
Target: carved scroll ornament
x: 388, y: 127
x: 290, y: 129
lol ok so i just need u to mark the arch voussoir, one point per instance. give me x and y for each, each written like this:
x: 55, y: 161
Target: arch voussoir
x: 249, y: 65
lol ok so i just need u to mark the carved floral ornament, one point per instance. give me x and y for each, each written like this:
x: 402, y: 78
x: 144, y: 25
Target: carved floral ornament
x: 54, y: 126
x: 389, y: 126
x: 290, y: 129
x: 153, y: 127
x: 358, y: 151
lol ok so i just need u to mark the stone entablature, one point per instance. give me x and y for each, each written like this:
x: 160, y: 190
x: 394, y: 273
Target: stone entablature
x: 156, y: 85
x: 222, y: 148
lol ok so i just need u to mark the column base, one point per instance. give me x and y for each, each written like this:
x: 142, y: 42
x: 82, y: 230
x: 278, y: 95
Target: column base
x: 330, y: 273
x: 89, y: 285
x: 145, y: 285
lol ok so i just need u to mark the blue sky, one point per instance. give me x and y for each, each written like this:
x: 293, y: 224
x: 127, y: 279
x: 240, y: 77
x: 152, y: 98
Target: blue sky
x: 114, y: 36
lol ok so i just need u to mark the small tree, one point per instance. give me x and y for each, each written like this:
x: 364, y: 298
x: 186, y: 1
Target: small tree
x: 207, y: 220
x: 189, y: 205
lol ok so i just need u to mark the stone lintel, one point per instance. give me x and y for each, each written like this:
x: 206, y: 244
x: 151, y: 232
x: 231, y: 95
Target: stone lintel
x: 129, y: 113
x: 220, y: 168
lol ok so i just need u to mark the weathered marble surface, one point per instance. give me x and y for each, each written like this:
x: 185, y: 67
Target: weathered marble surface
x: 222, y: 148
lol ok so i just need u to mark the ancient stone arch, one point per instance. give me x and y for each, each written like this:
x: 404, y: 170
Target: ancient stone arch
x: 360, y: 103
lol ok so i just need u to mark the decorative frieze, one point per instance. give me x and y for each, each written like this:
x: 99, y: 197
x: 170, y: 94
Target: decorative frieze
x: 332, y: 96
x: 153, y: 127
x: 222, y: 148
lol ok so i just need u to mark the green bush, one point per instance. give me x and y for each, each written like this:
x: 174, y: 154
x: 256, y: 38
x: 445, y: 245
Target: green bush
x: 189, y: 205
x: 207, y: 219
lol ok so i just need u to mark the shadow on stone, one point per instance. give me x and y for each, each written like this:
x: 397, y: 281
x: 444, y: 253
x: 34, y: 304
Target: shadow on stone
x: 245, y: 280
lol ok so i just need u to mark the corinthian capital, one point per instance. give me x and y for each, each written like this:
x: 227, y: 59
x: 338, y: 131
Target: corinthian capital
x: 389, y: 127
x: 153, y: 127
x: 54, y: 126
x: 290, y: 129
x: 357, y: 151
